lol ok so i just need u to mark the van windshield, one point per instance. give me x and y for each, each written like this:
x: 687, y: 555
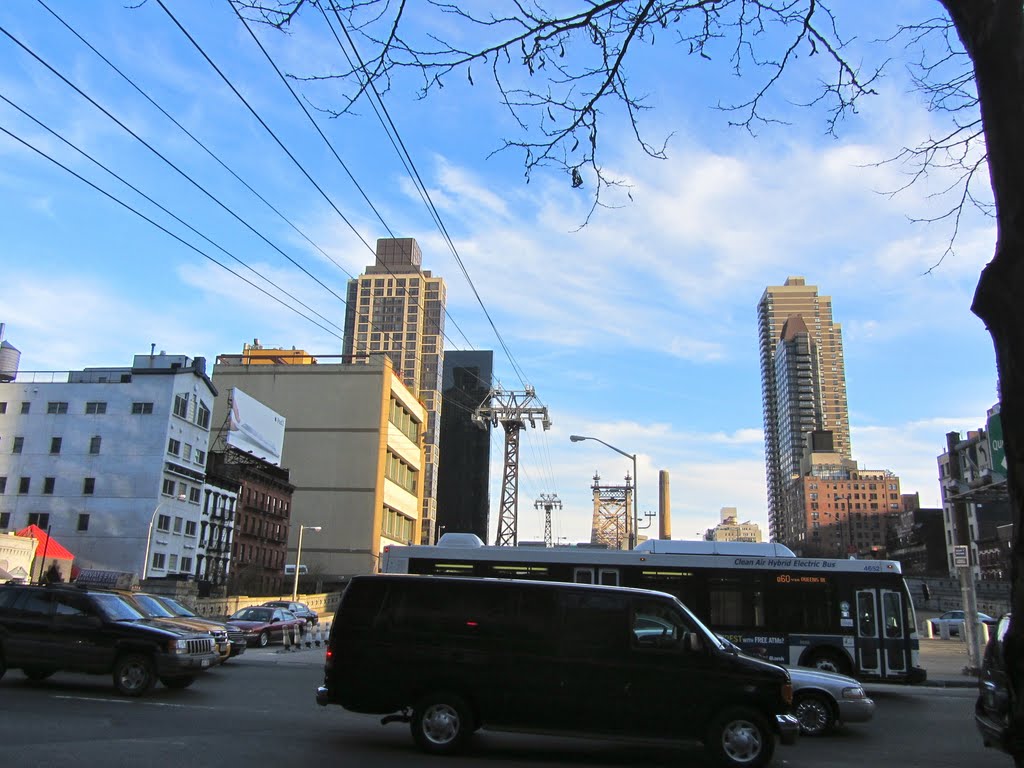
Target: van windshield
x: 710, y: 637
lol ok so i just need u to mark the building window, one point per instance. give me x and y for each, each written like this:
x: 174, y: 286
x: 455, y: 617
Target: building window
x: 19, y: 444
x: 172, y: 563
x: 195, y: 495
x: 48, y: 485
x: 200, y: 457
x: 24, y: 484
x: 55, y: 443
x: 163, y: 523
x: 159, y: 558
x: 3, y: 407
x: 3, y: 485
x: 174, y: 447
x: 186, y: 454
x: 57, y: 407
x: 186, y: 565
x: 178, y: 522
x: 168, y: 488
x: 94, y: 444
x: 26, y: 407
x: 190, y: 529
x: 83, y: 522
x: 203, y: 416
x: 142, y: 408
x: 181, y: 406
x: 42, y: 519
x: 5, y: 520
x: 88, y: 486
x: 95, y: 407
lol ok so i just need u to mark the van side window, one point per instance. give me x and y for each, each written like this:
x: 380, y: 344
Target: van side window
x: 33, y: 603
x: 362, y: 603
x: 594, y: 625
x: 656, y: 625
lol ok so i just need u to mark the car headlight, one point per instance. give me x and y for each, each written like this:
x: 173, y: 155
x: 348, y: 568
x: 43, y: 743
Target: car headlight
x: 177, y: 646
x: 854, y: 693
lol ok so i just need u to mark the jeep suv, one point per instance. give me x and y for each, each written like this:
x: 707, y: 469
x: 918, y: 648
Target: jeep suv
x: 61, y: 628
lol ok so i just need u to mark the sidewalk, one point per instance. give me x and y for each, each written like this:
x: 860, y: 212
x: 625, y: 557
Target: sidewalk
x: 945, y: 662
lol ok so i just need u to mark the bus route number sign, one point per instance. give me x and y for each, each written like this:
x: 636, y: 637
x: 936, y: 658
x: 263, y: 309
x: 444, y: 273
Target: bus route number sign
x: 960, y: 558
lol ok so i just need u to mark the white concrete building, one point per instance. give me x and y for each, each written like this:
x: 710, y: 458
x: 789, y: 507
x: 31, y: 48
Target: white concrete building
x: 111, y: 460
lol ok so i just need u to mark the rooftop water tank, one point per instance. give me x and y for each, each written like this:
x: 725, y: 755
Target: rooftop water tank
x: 10, y: 357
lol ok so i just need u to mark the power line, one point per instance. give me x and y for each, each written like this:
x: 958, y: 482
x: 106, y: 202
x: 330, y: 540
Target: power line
x: 162, y: 228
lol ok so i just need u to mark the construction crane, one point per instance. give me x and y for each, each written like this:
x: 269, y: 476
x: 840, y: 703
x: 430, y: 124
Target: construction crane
x: 547, y: 502
x: 512, y: 410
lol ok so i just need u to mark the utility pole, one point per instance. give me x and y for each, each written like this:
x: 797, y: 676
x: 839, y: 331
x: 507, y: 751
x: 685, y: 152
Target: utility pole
x: 962, y: 541
x: 512, y: 410
x: 547, y: 502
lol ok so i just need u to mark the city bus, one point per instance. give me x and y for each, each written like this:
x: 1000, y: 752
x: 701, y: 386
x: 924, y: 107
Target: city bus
x: 854, y: 617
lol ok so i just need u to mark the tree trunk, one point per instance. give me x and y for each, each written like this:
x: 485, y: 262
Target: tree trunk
x: 993, y: 35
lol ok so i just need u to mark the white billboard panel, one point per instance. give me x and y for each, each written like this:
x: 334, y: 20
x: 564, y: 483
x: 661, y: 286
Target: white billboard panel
x: 255, y: 428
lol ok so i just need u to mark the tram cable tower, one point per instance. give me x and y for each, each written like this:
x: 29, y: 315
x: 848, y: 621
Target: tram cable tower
x: 512, y: 410
x: 547, y: 502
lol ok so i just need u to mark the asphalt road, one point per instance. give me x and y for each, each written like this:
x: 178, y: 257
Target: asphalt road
x: 259, y: 710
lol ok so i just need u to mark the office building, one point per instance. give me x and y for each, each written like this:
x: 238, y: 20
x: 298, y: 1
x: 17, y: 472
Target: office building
x: 352, y: 448
x: 803, y: 386
x: 396, y: 308
x: 730, y: 529
x: 463, y: 477
x: 110, y: 461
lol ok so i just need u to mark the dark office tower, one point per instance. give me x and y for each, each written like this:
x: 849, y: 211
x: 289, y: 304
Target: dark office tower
x: 803, y: 387
x: 464, y: 474
x: 396, y: 308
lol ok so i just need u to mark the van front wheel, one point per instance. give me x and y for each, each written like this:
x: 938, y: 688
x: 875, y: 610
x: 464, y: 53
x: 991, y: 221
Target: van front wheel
x: 441, y: 723
x: 740, y: 738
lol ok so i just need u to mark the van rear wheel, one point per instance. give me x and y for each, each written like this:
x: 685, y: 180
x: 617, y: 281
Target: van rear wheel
x: 441, y: 723
x: 740, y: 738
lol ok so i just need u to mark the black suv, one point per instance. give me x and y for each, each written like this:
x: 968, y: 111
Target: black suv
x: 992, y: 710
x: 48, y: 629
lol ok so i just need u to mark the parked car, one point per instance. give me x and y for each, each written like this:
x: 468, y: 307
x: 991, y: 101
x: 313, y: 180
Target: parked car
x: 301, y: 610
x: 263, y: 625
x: 67, y: 628
x: 152, y: 607
x: 451, y: 655
x: 995, y: 695
x: 821, y: 699
x: 235, y: 637
x: 955, y: 619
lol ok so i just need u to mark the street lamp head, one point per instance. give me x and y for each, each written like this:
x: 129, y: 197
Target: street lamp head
x: 316, y: 528
x: 576, y: 438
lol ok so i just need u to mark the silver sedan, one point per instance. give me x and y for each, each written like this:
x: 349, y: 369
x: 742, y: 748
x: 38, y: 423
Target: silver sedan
x: 822, y: 699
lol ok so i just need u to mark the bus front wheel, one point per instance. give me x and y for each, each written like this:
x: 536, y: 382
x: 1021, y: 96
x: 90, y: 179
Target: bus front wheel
x: 828, y: 661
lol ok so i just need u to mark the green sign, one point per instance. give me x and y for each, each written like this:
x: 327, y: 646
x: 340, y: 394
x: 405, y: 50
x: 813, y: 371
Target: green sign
x: 995, y: 441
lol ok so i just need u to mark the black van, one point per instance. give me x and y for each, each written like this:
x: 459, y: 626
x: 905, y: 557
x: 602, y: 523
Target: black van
x: 452, y: 655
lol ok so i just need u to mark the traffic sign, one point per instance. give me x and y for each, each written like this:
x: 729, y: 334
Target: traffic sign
x: 960, y: 557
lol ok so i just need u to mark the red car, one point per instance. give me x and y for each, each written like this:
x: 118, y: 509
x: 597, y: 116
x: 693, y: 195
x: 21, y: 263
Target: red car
x: 262, y: 624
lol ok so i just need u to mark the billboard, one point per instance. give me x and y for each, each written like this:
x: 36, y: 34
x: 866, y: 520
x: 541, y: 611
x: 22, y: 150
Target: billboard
x: 254, y: 428
x: 995, y: 441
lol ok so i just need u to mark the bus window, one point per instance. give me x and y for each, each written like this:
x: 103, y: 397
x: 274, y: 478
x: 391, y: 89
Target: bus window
x: 736, y: 602
x: 609, y: 577
x: 866, y: 615
x: 583, y: 575
x: 801, y: 607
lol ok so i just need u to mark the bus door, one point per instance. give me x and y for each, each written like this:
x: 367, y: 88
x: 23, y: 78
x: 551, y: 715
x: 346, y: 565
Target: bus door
x: 608, y: 577
x: 880, y: 633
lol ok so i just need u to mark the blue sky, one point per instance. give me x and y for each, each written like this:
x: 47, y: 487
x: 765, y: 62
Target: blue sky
x: 639, y: 329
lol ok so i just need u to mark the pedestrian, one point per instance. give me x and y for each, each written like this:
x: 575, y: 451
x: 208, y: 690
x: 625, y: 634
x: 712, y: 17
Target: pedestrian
x: 926, y: 592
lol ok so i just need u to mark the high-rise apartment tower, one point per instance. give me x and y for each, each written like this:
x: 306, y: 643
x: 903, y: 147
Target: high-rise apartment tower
x: 803, y: 386
x: 397, y: 308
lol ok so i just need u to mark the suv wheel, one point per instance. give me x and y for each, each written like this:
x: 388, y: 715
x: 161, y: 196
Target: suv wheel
x: 739, y: 738
x: 133, y: 674
x: 814, y: 712
x: 441, y: 723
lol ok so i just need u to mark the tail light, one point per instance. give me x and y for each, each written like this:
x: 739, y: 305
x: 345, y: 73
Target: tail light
x: 329, y: 659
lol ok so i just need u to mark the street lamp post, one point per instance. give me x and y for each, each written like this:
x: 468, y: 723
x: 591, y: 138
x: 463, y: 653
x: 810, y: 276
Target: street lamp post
x: 636, y: 516
x: 149, y: 534
x: 298, y: 559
